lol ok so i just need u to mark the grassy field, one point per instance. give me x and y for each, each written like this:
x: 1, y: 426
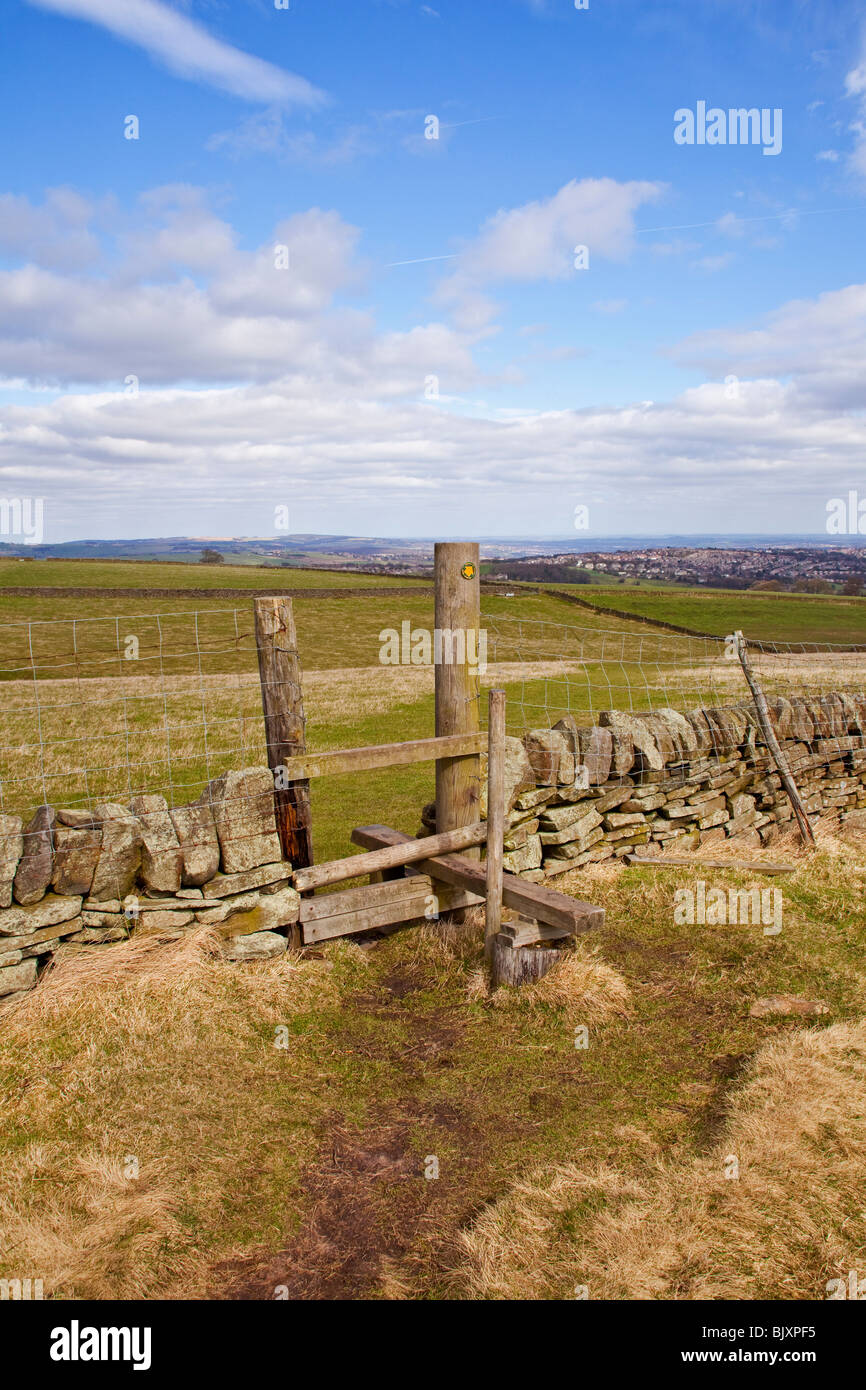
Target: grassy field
x: 129, y: 574
x: 770, y: 617
x: 262, y: 1168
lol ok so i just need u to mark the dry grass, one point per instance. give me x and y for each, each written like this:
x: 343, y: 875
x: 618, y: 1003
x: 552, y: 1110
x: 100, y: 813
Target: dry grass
x: 582, y: 985
x: 790, y: 1222
x: 163, y: 1054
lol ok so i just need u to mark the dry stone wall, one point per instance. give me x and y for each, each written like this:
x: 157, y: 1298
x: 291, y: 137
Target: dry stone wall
x: 75, y: 879
x: 666, y: 780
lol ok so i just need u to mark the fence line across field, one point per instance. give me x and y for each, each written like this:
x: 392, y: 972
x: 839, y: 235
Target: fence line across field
x: 84, y: 720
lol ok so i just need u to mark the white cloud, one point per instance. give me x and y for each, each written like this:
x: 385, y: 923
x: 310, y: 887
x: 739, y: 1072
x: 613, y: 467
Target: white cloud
x: 713, y: 263
x: 55, y: 233
x: 821, y: 343
x: 268, y: 133
x: 306, y: 398
x: 855, y: 87
x: 176, y: 300
x: 189, y: 50
x: 168, y: 457
x: 538, y: 241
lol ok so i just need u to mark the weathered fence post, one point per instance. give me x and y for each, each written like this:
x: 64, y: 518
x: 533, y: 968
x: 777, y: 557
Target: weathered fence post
x: 806, y: 833
x: 495, y: 817
x: 457, y: 618
x: 283, y: 708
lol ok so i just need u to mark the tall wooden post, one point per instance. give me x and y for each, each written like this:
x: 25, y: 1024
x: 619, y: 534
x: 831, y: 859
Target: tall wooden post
x: 458, y: 691
x: 283, y: 708
x: 495, y: 817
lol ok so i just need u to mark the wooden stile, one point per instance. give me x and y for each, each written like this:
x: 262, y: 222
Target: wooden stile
x: 520, y: 965
x: 531, y: 899
x: 376, y: 755
x: 376, y: 905
x: 388, y: 857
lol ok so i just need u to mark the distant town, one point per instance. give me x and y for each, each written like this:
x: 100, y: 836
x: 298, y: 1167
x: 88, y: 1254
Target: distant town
x: 804, y: 569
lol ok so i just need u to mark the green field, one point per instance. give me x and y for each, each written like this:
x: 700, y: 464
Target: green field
x: 768, y: 617
x: 123, y: 574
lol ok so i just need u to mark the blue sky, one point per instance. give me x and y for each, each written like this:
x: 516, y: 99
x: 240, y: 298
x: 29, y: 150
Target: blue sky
x: 427, y: 358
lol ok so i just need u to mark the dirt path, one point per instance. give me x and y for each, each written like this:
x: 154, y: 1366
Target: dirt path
x: 489, y: 1094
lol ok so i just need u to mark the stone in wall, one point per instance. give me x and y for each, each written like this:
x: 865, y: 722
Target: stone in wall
x: 629, y: 729
x: 15, y: 979
x: 666, y: 741
x: 596, y: 753
x: 549, y: 756
x: 243, y: 811
x: 527, y: 857
x: 119, y: 853
x: 519, y: 778
x: 161, y: 858
x: 703, y: 732
x: 680, y: 731
x: 11, y: 846
x: 17, y: 921
x: 280, y: 909
x: 196, y: 831
x: 76, y: 854
x: 264, y: 876
x: 261, y: 945
x: 36, y: 868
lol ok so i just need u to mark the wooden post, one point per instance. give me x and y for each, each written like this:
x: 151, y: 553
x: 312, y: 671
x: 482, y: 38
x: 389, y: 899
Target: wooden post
x: 496, y: 814
x: 457, y: 618
x: 283, y: 708
x: 763, y: 713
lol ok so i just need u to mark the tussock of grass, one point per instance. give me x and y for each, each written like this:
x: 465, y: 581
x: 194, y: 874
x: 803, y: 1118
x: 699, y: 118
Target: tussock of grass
x: 791, y: 1221
x: 581, y: 985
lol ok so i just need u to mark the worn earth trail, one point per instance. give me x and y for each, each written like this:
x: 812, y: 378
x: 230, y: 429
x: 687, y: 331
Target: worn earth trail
x: 483, y: 1095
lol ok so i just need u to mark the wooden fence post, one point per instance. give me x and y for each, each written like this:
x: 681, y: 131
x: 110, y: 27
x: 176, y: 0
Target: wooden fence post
x: 283, y: 708
x: 495, y: 817
x: 457, y: 618
x: 763, y: 713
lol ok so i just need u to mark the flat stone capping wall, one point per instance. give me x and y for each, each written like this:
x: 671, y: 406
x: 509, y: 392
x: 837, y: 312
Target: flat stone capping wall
x: 73, y: 879
x: 578, y: 795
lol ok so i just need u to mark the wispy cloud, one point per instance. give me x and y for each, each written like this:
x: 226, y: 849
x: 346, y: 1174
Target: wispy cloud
x: 855, y: 86
x: 189, y: 50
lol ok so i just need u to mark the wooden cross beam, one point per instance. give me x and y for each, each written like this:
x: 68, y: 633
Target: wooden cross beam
x: 531, y: 899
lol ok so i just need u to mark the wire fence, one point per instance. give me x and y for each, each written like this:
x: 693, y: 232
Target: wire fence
x: 569, y: 669
x: 112, y: 708
x: 116, y: 707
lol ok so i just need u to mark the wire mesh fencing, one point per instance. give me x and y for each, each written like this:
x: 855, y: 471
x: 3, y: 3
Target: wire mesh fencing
x: 113, y: 708
x: 566, y: 669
